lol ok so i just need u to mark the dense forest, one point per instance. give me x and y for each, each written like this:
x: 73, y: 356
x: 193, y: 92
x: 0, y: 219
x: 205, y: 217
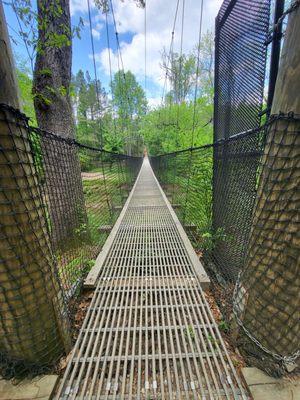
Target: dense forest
x: 121, y: 118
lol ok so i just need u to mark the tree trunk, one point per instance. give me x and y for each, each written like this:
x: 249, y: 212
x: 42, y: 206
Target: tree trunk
x: 51, y: 89
x: 268, y: 296
x: 9, y: 93
x: 52, y: 74
x: 33, y: 322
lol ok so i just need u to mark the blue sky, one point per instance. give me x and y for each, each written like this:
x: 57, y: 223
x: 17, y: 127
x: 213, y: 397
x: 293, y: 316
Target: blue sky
x: 130, y: 25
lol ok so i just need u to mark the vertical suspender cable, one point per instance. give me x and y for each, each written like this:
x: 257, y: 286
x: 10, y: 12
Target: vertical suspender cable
x: 179, y: 88
x: 110, y: 68
x: 145, y: 33
x: 197, y: 72
x: 99, y: 107
x: 168, y: 58
x: 194, y: 110
x: 95, y: 73
x: 119, y: 166
x: 120, y: 55
x: 122, y: 66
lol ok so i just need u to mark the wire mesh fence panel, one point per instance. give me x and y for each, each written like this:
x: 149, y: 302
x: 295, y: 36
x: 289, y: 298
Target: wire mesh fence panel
x: 241, y: 30
x: 192, y: 193
x: 58, y: 202
x: 242, y: 27
x: 186, y: 177
x: 84, y: 189
x: 236, y: 166
x: 258, y: 200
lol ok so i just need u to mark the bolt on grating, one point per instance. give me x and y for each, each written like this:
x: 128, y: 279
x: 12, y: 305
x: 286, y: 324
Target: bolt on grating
x: 149, y: 332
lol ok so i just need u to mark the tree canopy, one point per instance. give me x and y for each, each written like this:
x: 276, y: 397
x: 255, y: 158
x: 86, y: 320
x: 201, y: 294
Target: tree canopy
x: 119, y: 116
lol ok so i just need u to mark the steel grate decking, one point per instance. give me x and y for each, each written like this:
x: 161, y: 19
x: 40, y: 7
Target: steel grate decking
x: 149, y: 332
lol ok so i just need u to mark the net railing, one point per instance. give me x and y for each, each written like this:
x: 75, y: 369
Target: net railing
x: 251, y: 187
x: 189, y: 177
x: 58, y: 201
x: 242, y: 27
x: 84, y: 189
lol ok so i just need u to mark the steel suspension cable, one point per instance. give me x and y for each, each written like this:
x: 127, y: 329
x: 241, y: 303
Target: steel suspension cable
x: 110, y: 68
x: 180, y: 83
x: 120, y: 171
x: 168, y: 60
x: 197, y: 72
x: 171, y: 46
x: 145, y: 44
x: 194, y: 109
x: 119, y: 70
x: 120, y: 55
x: 95, y: 72
x: 179, y: 94
x: 98, y: 101
x: 122, y: 64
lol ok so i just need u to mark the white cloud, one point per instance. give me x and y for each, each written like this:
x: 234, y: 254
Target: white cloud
x: 78, y: 6
x: 96, y: 34
x: 99, y: 26
x: 154, y: 102
x: 160, y: 17
x: 133, y: 58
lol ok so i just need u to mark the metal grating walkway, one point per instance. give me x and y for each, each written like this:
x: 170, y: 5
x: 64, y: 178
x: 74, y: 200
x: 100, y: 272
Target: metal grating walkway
x: 149, y: 332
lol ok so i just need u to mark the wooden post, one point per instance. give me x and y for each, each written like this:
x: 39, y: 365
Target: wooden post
x: 34, y: 326
x: 268, y: 296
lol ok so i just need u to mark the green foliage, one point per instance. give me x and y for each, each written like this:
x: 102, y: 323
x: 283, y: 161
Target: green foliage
x: 189, y: 332
x: 30, y: 22
x: 103, y: 5
x: 206, y: 66
x: 57, y: 40
x: 116, y: 123
x: 209, y: 239
x: 170, y: 128
x: 129, y: 97
x: 181, y: 71
x: 76, y: 268
x: 223, y: 326
x: 81, y: 230
x: 125, y: 124
x: 25, y: 86
x: 90, y: 102
x: 129, y: 106
x: 45, y: 72
x: 187, y: 72
x: 180, y: 123
x: 25, y: 89
x: 214, y: 342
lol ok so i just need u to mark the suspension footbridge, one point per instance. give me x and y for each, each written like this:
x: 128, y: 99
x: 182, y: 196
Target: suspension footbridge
x: 151, y: 329
x: 149, y: 332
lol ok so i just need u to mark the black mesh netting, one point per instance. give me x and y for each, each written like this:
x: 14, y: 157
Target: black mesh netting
x: 83, y: 190
x: 242, y: 27
x: 260, y: 210
x: 238, y: 198
x: 188, y: 177
x: 241, y: 30
x: 58, y: 200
